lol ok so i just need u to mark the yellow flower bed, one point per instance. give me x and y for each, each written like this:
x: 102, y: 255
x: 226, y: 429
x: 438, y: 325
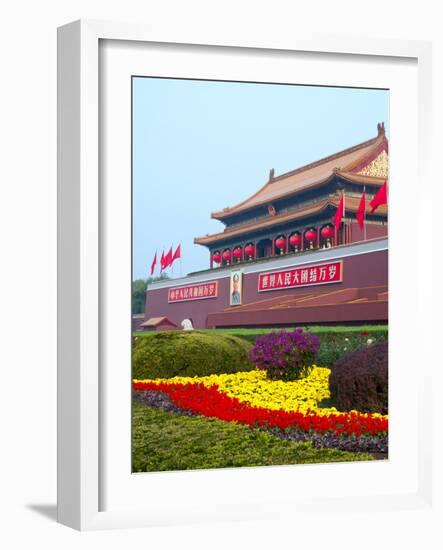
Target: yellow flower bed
x: 254, y: 388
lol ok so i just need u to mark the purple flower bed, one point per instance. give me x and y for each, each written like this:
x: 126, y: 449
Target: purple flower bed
x: 362, y: 443
x: 159, y: 400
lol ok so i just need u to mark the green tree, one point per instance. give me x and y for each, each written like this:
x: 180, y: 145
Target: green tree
x: 139, y: 292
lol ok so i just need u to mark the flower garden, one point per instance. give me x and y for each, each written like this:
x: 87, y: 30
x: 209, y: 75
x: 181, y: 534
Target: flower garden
x: 277, y: 404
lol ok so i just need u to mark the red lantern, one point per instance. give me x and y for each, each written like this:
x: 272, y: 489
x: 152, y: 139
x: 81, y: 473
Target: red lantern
x: 295, y: 239
x: 249, y: 250
x: 310, y: 235
x: 280, y: 243
x: 226, y: 255
x: 216, y: 257
x: 237, y: 252
x: 327, y: 232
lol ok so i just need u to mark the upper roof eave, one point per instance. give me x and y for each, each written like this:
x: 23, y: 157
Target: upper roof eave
x: 375, y: 144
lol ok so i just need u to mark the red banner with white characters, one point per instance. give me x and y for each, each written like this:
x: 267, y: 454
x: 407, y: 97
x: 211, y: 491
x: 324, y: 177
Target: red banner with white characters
x: 302, y: 276
x: 193, y: 292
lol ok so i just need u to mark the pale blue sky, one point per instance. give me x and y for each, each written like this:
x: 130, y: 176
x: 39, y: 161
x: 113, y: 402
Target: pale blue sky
x: 200, y: 146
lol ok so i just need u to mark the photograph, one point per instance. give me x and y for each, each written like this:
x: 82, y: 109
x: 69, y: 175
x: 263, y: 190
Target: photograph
x: 259, y: 274
x: 236, y: 288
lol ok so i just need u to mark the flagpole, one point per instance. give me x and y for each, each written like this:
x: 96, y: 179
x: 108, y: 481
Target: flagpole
x: 344, y: 219
x: 153, y: 265
x: 364, y: 215
x: 162, y: 260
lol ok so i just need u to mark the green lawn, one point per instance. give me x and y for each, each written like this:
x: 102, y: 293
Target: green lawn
x: 314, y: 329
x: 318, y: 329
x: 164, y: 441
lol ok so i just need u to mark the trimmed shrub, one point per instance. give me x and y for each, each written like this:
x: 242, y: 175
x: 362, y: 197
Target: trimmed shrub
x: 188, y: 353
x: 359, y: 381
x: 285, y: 355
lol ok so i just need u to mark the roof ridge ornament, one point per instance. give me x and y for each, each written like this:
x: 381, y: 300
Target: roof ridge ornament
x: 271, y: 174
x: 381, y: 128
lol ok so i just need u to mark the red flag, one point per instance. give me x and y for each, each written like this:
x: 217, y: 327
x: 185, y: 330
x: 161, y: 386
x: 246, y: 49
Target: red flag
x: 168, y: 258
x: 154, y: 263
x: 177, y: 254
x: 340, y: 213
x: 360, y: 215
x: 162, y: 261
x: 381, y: 197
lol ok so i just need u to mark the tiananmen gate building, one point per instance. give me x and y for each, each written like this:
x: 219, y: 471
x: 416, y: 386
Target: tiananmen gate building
x: 281, y: 260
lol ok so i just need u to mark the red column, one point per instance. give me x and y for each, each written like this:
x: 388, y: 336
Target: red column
x: 273, y: 248
x: 318, y: 237
x: 255, y: 251
x: 211, y: 261
x: 287, y: 244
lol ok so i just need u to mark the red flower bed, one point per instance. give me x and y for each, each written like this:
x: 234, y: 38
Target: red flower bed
x: 209, y: 401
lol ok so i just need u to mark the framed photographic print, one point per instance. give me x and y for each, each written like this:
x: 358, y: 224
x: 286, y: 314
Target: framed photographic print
x: 231, y: 255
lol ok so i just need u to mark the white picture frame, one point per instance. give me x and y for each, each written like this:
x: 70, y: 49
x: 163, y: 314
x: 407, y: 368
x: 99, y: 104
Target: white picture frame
x: 81, y: 211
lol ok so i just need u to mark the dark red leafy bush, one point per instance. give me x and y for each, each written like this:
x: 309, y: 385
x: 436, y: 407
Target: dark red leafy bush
x: 359, y: 380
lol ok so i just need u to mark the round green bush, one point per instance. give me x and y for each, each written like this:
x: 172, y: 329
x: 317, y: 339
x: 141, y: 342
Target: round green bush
x: 359, y: 380
x: 188, y: 353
